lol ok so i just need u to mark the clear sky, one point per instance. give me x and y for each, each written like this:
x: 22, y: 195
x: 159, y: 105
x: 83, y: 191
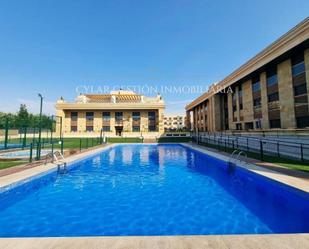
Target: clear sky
x: 56, y: 47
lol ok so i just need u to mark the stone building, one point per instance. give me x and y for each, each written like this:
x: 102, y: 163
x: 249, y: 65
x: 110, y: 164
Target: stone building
x: 174, y: 122
x: 269, y: 91
x: 120, y: 113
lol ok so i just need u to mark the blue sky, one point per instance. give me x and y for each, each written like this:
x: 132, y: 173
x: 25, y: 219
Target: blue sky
x: 55, y: 47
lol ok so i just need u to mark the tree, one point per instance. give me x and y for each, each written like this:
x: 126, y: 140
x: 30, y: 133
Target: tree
x: 22, y: 119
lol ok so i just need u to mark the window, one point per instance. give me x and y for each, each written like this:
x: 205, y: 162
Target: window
x: 136, y: 115
x: 238, y: 126
x: 273, y: 97
x: 302, y: 122
x: 89, y: 128
x: 272, y: 80
x: 240, y: 91
x: 258, y: 124
x: 106, y: 116
x: 74, y: 116
x: 151, y: 115
x: 256, y: 86
x: 152, y: 121
x: 275, y: 123
x: 136, y: 121
x: 136, y: 128
x: 241, y: 106
x: 106, y: 128
x: 298, y: 68
x: 298, y: 65
x: 89, y: 121
x: 249, y: 126
x: 152, y: 128
x: 299, y: 90
x: 234, y: 108
x: 257, y: 102
x: 89, y: 116
x: 118, y: 116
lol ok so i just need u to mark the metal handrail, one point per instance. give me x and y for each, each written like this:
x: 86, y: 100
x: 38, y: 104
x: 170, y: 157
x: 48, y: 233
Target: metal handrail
x: 55, y: 155
x: 239, y: 154
x: 233, y: 153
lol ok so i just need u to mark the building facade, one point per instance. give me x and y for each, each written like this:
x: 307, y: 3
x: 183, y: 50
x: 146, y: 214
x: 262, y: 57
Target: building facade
x: 174, y: 122
x: 269, y: 91
x: 120, y: 113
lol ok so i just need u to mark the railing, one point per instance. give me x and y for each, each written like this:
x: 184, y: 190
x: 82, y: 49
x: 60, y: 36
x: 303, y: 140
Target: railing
x: 262, y: 147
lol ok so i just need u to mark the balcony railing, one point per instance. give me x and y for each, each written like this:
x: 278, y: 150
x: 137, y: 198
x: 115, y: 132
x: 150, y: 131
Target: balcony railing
x: 274, y: 105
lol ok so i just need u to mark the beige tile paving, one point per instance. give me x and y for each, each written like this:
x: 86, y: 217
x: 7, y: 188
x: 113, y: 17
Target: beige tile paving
x: 284, y: 241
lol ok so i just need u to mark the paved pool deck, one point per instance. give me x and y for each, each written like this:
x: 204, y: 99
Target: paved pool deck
x: 284, y: 241
x: 272, y: 241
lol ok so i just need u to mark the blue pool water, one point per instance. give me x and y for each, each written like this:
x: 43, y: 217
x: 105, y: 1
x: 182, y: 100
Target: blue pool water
x: 152, y: 190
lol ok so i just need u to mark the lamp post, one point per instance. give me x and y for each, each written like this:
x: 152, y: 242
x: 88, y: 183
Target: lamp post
x: 38, y: 152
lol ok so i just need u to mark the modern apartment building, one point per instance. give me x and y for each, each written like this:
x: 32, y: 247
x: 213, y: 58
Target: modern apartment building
x: 269, y: 91
x: 174, y: 122
x: 120, y: 113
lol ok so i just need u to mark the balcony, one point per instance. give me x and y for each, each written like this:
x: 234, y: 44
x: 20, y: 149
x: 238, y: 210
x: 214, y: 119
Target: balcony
x: 274, y: 105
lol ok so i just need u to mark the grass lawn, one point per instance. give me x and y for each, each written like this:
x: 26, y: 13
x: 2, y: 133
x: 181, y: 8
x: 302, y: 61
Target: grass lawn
x: 68, y: 143
x: 76, y: 143
x: 8, y: 164
x: 287, y: 163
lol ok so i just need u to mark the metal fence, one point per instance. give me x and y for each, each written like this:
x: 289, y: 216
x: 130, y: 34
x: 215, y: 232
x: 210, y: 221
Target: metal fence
x: 281, y: 149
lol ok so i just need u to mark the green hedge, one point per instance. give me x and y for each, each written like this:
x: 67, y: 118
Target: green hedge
x: 174, y: 139
x: 124, y: 140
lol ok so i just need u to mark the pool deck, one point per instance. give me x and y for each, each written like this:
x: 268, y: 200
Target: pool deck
x: 283, y: 241
x: 272, y: 241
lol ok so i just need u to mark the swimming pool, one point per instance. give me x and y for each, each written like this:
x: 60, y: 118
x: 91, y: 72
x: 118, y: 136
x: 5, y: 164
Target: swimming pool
x: 152, y: 190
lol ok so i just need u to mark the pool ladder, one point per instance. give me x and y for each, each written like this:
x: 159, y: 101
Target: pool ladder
x: 234, y: 157
x: 61, y: 165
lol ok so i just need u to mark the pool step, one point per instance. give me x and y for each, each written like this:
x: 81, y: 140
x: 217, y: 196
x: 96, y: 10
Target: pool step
x: 62, y: 168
